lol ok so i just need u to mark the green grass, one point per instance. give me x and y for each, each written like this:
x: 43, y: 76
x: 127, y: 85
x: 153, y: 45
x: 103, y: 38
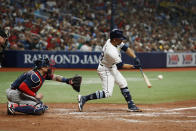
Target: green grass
x: 175, y: 86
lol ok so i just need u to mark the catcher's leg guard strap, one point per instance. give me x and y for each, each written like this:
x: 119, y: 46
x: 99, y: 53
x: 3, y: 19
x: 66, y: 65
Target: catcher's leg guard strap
x: 125, y: 92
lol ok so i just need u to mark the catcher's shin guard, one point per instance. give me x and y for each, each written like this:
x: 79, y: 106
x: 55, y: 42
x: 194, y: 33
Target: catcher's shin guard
x: 29, y: 109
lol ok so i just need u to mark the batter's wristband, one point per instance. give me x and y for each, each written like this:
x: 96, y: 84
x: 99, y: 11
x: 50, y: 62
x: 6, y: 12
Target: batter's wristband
x: 124, y: 48
x: 119, y: 65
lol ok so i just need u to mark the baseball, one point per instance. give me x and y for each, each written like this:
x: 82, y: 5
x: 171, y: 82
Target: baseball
x: 160, y: 77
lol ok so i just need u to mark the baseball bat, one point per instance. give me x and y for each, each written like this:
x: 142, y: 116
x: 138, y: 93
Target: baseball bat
x: 145, y: 78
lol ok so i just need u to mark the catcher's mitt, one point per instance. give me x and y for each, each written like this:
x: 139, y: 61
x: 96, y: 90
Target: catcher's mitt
x: 76, y: 82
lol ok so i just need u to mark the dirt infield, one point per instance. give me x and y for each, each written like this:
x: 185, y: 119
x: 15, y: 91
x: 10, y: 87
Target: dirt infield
x: 179, y: 116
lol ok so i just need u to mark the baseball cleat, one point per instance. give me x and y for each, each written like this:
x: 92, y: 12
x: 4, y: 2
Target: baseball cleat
x: 134, y: 108
x: 46, y: 107
x: 81, y: 102
x: 10, y: 110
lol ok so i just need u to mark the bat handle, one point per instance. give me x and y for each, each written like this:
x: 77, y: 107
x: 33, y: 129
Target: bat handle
x: 141, y: 71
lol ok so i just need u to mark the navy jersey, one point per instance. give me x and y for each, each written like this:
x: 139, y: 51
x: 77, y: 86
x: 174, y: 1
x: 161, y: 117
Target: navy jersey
x: 33, y: 79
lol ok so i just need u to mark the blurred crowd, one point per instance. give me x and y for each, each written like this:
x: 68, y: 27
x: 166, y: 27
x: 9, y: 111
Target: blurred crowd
x: 84, y: 25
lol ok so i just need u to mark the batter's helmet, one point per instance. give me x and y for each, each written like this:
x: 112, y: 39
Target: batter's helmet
x: 39, y: 63
x: 115, y: 33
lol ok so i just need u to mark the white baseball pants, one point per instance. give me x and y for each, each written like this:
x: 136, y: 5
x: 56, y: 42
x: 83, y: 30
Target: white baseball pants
x: 109, y: 76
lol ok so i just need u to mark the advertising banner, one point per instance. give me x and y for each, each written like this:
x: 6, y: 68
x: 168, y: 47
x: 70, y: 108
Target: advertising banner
x: 61, y: 58
x: 181, y: 59
x: 78, y: 59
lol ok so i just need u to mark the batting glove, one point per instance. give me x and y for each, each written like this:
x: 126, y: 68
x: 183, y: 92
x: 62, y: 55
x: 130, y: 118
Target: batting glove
x: 137, y: 62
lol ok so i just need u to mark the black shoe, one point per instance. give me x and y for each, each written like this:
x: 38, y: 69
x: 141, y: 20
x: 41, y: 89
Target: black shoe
x: 133, y: 108
x: 81, y: 102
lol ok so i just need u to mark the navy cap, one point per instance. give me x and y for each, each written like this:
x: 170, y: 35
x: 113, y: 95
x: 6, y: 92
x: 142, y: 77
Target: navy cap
x: 115, y: 33
x: 3, y: 34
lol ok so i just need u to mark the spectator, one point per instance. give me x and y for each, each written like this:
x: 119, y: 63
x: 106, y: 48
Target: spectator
x: 86, y: 47
x: 145, y: 24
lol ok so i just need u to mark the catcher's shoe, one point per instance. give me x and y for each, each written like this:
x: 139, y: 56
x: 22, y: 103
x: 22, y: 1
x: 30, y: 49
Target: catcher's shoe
x: 10, y: 108
x: 46, y: 107
x: 134, y: 108
x: 81, y: 102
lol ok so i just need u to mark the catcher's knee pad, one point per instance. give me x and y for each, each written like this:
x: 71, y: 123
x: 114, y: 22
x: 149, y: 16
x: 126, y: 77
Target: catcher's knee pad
x: 100, y: 94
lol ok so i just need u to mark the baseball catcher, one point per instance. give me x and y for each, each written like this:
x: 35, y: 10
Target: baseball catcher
x: 22, y: 95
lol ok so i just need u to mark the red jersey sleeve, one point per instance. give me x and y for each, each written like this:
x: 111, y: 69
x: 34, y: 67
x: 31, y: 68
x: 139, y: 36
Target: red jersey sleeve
x: 24, y: 87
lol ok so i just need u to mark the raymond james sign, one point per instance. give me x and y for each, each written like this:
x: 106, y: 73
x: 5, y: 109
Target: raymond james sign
x: 84, y: 59
x: 62, y: 59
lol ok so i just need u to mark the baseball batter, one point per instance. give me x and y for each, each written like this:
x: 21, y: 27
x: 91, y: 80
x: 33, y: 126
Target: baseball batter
x: 108, y: 71
x: 22, y: 95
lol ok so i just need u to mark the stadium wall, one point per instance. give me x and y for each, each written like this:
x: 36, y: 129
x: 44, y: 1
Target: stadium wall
x: 91, y: 59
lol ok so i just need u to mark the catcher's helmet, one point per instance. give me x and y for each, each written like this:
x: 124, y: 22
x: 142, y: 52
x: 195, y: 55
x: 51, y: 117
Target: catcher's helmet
x: 115, y: 33
x: 39, y: 63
